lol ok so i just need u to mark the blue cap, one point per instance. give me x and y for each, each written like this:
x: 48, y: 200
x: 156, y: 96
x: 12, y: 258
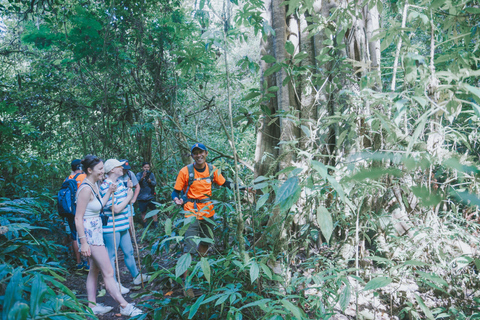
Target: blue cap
x: 126, y: 165
x: 198, y: 146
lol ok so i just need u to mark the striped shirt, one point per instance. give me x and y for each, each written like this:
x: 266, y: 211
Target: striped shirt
x: 121, y: 218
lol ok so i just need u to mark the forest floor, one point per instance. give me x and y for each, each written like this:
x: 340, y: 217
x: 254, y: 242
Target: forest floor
x: 76, y: 281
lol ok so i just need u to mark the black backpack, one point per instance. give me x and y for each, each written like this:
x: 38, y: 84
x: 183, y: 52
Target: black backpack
x: 66, y: 198
x: 191, y: 179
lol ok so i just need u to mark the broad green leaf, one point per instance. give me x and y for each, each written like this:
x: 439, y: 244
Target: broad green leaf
x: 320, y: 168
x: 255, y: 303
x: 254, y: 271
x: 269, y: 59
x: 288, y: 189
x: 293, y: 309
x: 418, y: 130
x: 473, y: 90
x: 39, y: 289
x: 183, y: 264
x: 337, y: 187
x: 377, y: 283
x: 18, y: 311
x: 13, y: 292
x: 300, y: 56
x: 206, y: 268
x: 262, y: 201
x: 374, y: 173
x: 267, y: 270
x: 424, y: 308
x: 324, y: 218
x: 168, y: 227
x: 196, y: 305
x: 415, y: 263
x: 222, y: 299
x: 261, y: 185
x: 251, y: 95
x: 152, y: 213
x: 273, y: 89
x: 341, y: 138
x: 345, y: 296
x: 427, y: 198
x: 433, y: 277
x: 289, y: 47
x: 259, y: 179
x: 292, y: 6
x: 276, y: 67
x: 306, y: 130
x: 476, y: 109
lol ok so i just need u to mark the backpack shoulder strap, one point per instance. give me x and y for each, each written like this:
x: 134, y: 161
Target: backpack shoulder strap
x: 75, y: 177
x: 210, y: 170
x: 93, y: 191
x: 191, y: 175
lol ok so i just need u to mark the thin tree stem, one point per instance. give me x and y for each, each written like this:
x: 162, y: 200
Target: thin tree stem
x: 399, y: 46
x: 236, y: 193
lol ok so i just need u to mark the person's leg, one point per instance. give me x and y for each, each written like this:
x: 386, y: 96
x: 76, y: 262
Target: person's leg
x: 73, y: 236
x: 127, y: 248
x: 110, y: 247
x: 76, y: 251
x: 102, y: 261
x: 152, y: 206
x: 92, y: 279
x: 205, y: 231
x: 142, y: 206
x: 191, y: 233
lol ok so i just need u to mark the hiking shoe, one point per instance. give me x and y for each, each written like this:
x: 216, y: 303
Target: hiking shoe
x: 138, y: 280
x: 123, y: 290
x: 86, y: 267
x: 130, y: 310
x: 79, y: 266
x: 100, y: 308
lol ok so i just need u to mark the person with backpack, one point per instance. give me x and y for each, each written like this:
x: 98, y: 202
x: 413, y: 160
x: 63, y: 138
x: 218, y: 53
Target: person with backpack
x: 90, y: 233
x: 67, y: 207
x: 129, y: 175
x: 147, y: 183
x: 121, y: 237
x: 195, y: 182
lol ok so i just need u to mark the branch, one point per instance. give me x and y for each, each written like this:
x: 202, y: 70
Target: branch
x: 249, y: 167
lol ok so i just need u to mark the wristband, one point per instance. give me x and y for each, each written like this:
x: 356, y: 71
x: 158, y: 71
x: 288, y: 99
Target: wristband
x: 82, y: 237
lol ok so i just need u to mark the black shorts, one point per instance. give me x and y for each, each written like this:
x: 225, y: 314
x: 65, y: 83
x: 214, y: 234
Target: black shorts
x: 143, y: 205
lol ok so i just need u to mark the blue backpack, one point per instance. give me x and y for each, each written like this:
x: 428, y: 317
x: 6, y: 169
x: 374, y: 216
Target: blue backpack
x: 66, y: 198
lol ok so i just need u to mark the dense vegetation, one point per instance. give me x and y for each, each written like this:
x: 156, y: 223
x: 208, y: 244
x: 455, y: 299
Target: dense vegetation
x: 355, y: 121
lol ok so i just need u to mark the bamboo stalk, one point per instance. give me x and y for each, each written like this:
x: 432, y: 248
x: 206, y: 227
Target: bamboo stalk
x: 136, y: 247
x: 399, y: 46
x: 115, y: 243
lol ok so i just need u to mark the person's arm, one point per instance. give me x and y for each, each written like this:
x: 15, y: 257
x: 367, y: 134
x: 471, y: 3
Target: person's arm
x: 176, y: 197
x: 120, y: 206
x: 135, y: 195
x: 108, y: 192
x: 151, y: 180
x: 135, y: 184
x: 180, y: 184
x: 233, y: 186
x: 82, y: 201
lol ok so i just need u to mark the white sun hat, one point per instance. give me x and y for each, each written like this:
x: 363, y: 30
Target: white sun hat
x: 111, y: 164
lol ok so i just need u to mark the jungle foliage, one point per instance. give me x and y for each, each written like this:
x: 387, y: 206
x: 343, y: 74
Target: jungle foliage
x: 367, y: 197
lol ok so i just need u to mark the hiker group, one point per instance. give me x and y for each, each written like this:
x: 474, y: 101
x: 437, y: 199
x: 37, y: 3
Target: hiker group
x: 102, y: 220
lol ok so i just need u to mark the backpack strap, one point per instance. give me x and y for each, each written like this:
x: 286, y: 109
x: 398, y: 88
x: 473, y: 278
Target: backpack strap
x: 191, y: 179
x: 75, y: 177
x: 94, y: 193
